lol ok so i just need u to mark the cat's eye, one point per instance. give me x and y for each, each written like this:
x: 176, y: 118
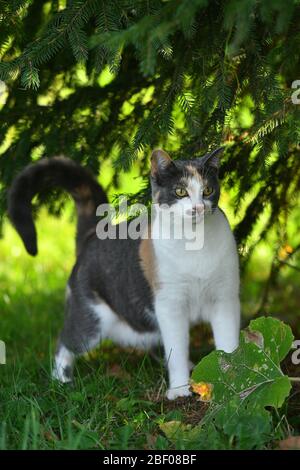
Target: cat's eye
x: 208, y: 190
x: 181, y: 192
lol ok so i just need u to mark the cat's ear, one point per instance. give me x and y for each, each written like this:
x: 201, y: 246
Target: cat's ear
x: 160, y: 161
x: 212, y: 158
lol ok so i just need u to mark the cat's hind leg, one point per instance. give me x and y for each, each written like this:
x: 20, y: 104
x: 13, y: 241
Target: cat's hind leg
x: 89, y: 320
x: 63, y: 364
x: 81, y: 333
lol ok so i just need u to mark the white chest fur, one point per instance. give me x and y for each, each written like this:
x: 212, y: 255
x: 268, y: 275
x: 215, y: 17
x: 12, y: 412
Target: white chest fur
x: 199, y: 277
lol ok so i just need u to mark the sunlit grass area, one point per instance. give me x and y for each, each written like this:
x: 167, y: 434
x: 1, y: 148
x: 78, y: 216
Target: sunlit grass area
x: 117, y: 400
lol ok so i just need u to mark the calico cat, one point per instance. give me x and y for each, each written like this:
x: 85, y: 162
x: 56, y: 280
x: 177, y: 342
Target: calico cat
x: 143, y: 291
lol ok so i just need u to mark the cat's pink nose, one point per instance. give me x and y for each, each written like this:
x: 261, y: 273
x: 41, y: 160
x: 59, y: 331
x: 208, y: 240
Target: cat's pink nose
x: 199, y: 208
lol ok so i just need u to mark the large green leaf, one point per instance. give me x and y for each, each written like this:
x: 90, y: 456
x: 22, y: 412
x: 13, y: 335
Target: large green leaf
x: 240, y: 386
x: 250, y: 377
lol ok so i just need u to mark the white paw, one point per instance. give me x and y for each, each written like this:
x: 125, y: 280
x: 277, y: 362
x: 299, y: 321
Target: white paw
x: 176, y: 392
x: 58, y: 374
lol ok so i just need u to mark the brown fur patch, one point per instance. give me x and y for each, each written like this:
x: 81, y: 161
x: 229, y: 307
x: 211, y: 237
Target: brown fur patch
x: 192, y: 172
x: 86, y: 208
x: 147, y: 261
x: 84, y: 192
x: 84, y: 201
x: 159, y: 159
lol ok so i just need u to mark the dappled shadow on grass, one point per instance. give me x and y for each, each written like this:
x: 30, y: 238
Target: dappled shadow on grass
x: 108, y: 406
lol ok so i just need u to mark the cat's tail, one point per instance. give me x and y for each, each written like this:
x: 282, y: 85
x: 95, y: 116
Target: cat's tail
x: 48, y: 173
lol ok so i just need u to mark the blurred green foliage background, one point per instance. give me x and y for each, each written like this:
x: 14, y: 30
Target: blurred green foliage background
x: 104, y: 82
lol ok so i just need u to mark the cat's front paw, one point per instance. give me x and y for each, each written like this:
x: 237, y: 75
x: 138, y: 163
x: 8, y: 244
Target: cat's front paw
x: 177, y: 392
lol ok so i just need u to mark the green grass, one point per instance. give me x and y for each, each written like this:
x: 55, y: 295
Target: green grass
x: 117, y: 398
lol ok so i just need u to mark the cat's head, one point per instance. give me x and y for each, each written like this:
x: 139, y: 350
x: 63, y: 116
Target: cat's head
x: 190, y: 187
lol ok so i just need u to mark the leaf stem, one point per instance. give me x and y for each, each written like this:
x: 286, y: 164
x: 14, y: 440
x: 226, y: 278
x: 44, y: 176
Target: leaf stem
x: 294, y: 379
